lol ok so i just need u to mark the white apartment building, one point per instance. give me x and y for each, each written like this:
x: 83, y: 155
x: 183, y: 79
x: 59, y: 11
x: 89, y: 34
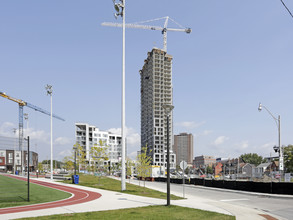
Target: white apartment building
x: 88, y: 136
x: 157, y: 90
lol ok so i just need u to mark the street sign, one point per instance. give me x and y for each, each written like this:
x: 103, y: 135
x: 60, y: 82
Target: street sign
x: 287, y: 177
x: 281, y: 163
x: 183, y: 165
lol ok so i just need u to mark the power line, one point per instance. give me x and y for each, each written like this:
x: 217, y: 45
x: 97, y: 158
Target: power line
x: 287, y: 8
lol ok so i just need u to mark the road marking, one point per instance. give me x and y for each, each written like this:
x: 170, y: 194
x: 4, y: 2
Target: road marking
x: 232, y: 200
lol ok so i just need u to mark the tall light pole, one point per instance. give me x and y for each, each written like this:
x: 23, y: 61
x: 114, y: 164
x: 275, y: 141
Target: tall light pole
x: 75, y: 148
x: 168, y: 109
x: 120, y: 11
x: 278, y: 123
x: 49, y: 92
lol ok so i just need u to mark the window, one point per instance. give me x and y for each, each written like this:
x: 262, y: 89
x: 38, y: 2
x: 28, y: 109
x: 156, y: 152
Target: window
x: 1, y: 160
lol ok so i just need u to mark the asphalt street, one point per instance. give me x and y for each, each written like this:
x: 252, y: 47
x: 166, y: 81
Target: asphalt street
x: 275, y: 205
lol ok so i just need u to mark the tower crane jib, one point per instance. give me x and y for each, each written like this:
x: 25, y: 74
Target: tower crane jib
x: 21, y: 104
x: 164, y: 29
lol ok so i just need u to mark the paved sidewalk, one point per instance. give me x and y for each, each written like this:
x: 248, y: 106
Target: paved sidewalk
x: 114, y: 200
x: 241, y: 212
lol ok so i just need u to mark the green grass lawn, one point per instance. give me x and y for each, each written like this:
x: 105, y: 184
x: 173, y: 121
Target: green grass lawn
x: 13, y: 192
x: 150, y: 212
x: 115, y: 185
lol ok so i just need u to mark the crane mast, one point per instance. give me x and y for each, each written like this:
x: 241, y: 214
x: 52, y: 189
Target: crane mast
x: 164, y: 29
x: 21, y: 104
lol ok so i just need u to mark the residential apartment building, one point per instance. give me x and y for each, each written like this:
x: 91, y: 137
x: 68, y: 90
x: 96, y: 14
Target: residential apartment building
x: 183, y: 148
x: 203, y: 161
x: 157, y: 90
x: 11, y: 160
x: 88, y: 136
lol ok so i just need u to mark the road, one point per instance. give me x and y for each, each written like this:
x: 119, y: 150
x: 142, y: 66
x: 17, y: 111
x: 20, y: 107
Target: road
x: 277, y: 206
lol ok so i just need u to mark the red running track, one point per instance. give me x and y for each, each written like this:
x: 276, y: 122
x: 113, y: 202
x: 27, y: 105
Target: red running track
x: 78, y: 196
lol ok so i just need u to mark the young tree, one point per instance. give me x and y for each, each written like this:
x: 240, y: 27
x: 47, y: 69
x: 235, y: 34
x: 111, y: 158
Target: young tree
x: 288, y: 158
x: 144, y: 164
x: 68, y: 163
x: 129, y: 165
x: 40, y: 167
x: 80, y: 155
x: 99, y: 154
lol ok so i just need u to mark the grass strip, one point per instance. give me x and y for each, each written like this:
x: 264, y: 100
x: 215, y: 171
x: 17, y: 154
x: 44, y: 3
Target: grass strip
x: 115, y: 185
x: 38, y: 193
x: 149, y: 213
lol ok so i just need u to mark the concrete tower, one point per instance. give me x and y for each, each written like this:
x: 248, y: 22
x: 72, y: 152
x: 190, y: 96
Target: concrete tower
x: 156, y: 90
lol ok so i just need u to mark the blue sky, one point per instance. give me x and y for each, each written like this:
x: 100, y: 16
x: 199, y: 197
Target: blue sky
x: 238, y: 54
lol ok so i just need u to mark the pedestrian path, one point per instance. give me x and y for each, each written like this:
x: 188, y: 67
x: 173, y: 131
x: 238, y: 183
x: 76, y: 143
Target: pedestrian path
x: 110, y: 200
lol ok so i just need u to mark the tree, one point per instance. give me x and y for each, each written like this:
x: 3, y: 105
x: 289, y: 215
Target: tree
x: 210, y: 170
x: 252, y: 158
x: 68, y: 163
x: 129, y: 165
x: 80, y: 155
x: 40, y: 167
x: 288, y: 158
x: 144, y: 164
x: 98, y: 154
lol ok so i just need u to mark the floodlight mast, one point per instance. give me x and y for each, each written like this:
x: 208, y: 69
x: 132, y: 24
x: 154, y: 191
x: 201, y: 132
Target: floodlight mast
x: 163, y: 29
x: 120, y: 9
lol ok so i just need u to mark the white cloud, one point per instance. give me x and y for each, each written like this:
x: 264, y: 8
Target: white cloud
x: 37, y: 135
x: 133, y: 155
x: 242, y: 146
x: 268, y: 146
x: 62, y: 154
x: 220, y: 140
x: 62, y: 141
x: 133, y: 138
x: 6, y: 129
x: 204, y: 133
x: 189, y: 124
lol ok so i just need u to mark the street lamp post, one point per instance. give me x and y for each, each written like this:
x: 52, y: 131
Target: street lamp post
x: 75, y: 148
x: 25, y: 115
x: 120, y: 9
x: 168, y: 109
x: 49, y: 92
x: 278, y: 123
x: 14, y: 131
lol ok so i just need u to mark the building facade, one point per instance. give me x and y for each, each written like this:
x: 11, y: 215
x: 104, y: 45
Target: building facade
x: 157, y: 90
x: 11, y: 161
x: 89, y: 136
x: 203, y: 161
x: 183, y: 148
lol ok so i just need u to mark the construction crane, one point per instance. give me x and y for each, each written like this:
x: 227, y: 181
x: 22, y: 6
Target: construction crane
x: 21, y: 104
x: 164, y: 29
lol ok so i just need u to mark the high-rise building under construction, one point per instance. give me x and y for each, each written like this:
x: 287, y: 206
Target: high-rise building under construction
x: 157, y: 90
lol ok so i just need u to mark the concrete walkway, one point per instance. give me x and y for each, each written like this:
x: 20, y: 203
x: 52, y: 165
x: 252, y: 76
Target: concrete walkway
x: 114, y: 200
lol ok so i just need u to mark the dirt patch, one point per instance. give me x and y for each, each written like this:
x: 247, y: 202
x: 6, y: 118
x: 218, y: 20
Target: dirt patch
x: 268, y: 217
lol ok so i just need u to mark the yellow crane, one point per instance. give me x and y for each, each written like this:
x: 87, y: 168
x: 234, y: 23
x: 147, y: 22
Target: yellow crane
x: 21, y: 104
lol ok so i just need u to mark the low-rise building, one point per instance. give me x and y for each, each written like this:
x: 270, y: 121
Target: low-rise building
x: 203, y: 161
x: 88, y: 136
x: 12, y: 160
